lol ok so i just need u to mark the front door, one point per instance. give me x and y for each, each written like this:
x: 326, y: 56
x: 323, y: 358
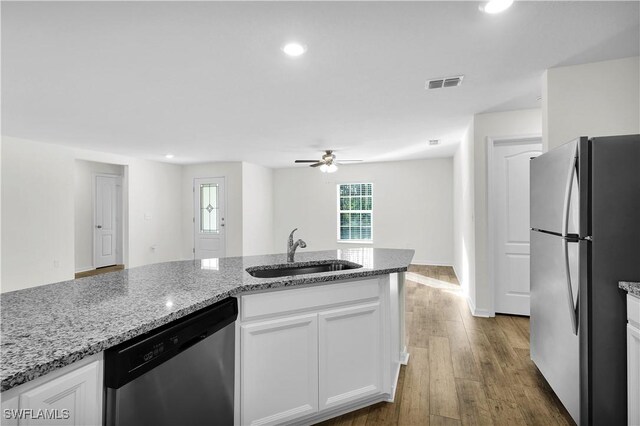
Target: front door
x: 105, y: 226
x: 209, y: 214
x: 510, y: 224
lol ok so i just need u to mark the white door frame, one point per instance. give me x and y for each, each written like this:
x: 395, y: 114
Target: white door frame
x: 491, y: 144
x: 119, y: 215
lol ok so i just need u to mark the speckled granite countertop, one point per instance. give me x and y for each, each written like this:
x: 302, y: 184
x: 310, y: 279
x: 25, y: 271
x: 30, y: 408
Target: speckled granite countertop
x: 631, y: 287
x: 47, y: 327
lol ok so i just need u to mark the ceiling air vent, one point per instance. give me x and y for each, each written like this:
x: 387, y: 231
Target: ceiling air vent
x: 435, y: 84
x: 439, y: 83
x: 434, y: 141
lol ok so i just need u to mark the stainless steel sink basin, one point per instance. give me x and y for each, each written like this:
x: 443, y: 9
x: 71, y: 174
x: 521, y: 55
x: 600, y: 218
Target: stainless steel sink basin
x: 300, y: 268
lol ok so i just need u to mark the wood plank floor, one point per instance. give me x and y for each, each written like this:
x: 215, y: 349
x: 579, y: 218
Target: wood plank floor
x: 463, y: 370
x: 99, y: 271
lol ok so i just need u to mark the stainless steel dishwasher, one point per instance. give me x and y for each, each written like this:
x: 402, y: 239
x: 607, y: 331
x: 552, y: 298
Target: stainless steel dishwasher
x: 180, y: 374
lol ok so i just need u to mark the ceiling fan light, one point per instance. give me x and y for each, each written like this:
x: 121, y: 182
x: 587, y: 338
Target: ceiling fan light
x: 331, y: 168
x: 324, y: 168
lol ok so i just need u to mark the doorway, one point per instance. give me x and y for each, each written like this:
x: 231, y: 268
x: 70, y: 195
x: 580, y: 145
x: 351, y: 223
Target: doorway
x: 209, y: 218
x: 509, y: 246
x: 100, y: 210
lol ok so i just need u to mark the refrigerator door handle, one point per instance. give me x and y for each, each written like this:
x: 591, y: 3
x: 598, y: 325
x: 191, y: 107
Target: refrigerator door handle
x: 567, y: 194
x: 573, y: 309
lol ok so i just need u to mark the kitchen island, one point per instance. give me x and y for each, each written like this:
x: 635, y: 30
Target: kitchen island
x: 54, y: 326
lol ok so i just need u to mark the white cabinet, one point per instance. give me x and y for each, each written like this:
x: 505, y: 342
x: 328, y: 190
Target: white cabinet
x: 633, y: 359
x: 310, y: 353
x: 279, y: 369
x: 69, y: 396
x: 74, y: 397
x: 351, y: 357
x: 633, y: 363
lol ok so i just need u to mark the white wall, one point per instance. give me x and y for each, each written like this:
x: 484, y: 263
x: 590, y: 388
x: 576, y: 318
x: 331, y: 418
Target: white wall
x: 597, y: 99
x: 232, y: 171
x: 492, y: 125
x: 0, y: 213
x: 155, y: 197
x: 38, y: 211
x: 412, y: 206
x: 37, y: 214
x: 463, y: 223
x: 257, y: 210
x: 84, y: 202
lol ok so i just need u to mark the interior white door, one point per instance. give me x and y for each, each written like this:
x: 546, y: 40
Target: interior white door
x: 510, y: 224
x: 209, y: 214
x: 105, y: 226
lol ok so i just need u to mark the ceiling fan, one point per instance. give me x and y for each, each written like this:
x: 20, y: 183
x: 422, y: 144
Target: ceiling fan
x: 328, y: 163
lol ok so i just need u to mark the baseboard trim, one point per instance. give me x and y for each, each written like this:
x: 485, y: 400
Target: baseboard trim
x: 404, y: 356
x: 84, y: 269
x: 329, y: 414
x: 455, y: 271
x: 427, y: 263
x: 478, y: 312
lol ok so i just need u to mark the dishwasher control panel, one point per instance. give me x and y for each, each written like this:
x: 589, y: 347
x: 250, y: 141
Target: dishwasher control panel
x: 155, y: 349
x: 133, y: 358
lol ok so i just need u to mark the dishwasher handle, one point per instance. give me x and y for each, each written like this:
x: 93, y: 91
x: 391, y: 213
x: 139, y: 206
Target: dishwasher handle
x: 131, y: 359
x: 186, y: 345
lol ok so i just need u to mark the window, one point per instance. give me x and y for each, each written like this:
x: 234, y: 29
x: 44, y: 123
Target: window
x: 355, y: 212
x: 209, y: 208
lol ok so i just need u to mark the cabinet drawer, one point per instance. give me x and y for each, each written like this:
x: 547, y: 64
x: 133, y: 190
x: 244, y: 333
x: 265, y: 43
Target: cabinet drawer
x: 302, y: 299
x: 633, y: 310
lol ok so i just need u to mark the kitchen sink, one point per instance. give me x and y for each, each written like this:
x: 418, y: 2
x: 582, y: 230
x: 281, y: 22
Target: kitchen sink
x: 301, y: 268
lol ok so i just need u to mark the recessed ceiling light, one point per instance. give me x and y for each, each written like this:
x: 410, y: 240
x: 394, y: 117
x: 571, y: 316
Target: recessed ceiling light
x: 169, y: 156
x: 496, y: 6
x: 294, y: 49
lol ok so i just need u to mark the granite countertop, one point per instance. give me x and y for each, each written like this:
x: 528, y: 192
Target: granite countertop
x: 47, y: 327
x: 631, y: 287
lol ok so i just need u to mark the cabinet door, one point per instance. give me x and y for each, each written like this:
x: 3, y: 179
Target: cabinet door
x: 72, y: 399
x: 351, y: 354
x: 279, y: 370
x: 633, y: 371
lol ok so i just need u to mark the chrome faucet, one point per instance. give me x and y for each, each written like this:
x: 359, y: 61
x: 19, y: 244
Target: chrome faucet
x: 291, y: 247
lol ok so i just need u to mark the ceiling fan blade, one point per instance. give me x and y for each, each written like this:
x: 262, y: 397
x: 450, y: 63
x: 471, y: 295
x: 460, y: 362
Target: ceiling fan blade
x: 348, y: 161
x: 319, y: 163
x: 306, y: 161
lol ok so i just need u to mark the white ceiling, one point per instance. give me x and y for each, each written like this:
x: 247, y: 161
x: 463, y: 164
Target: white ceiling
x: 207, y: 80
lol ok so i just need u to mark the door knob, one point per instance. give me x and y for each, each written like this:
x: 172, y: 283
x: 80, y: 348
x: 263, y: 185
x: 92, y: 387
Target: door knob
x: 99, y: 226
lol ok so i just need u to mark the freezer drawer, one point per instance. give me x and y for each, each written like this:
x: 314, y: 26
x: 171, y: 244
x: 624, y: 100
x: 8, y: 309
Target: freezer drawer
x: 554, y: 346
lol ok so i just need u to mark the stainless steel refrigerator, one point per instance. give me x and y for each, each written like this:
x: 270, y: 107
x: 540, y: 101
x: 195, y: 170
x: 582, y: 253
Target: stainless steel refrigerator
x: 585, y: 237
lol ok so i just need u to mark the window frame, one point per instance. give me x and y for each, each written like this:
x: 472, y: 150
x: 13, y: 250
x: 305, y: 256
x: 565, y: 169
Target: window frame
x: 339, y: 211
